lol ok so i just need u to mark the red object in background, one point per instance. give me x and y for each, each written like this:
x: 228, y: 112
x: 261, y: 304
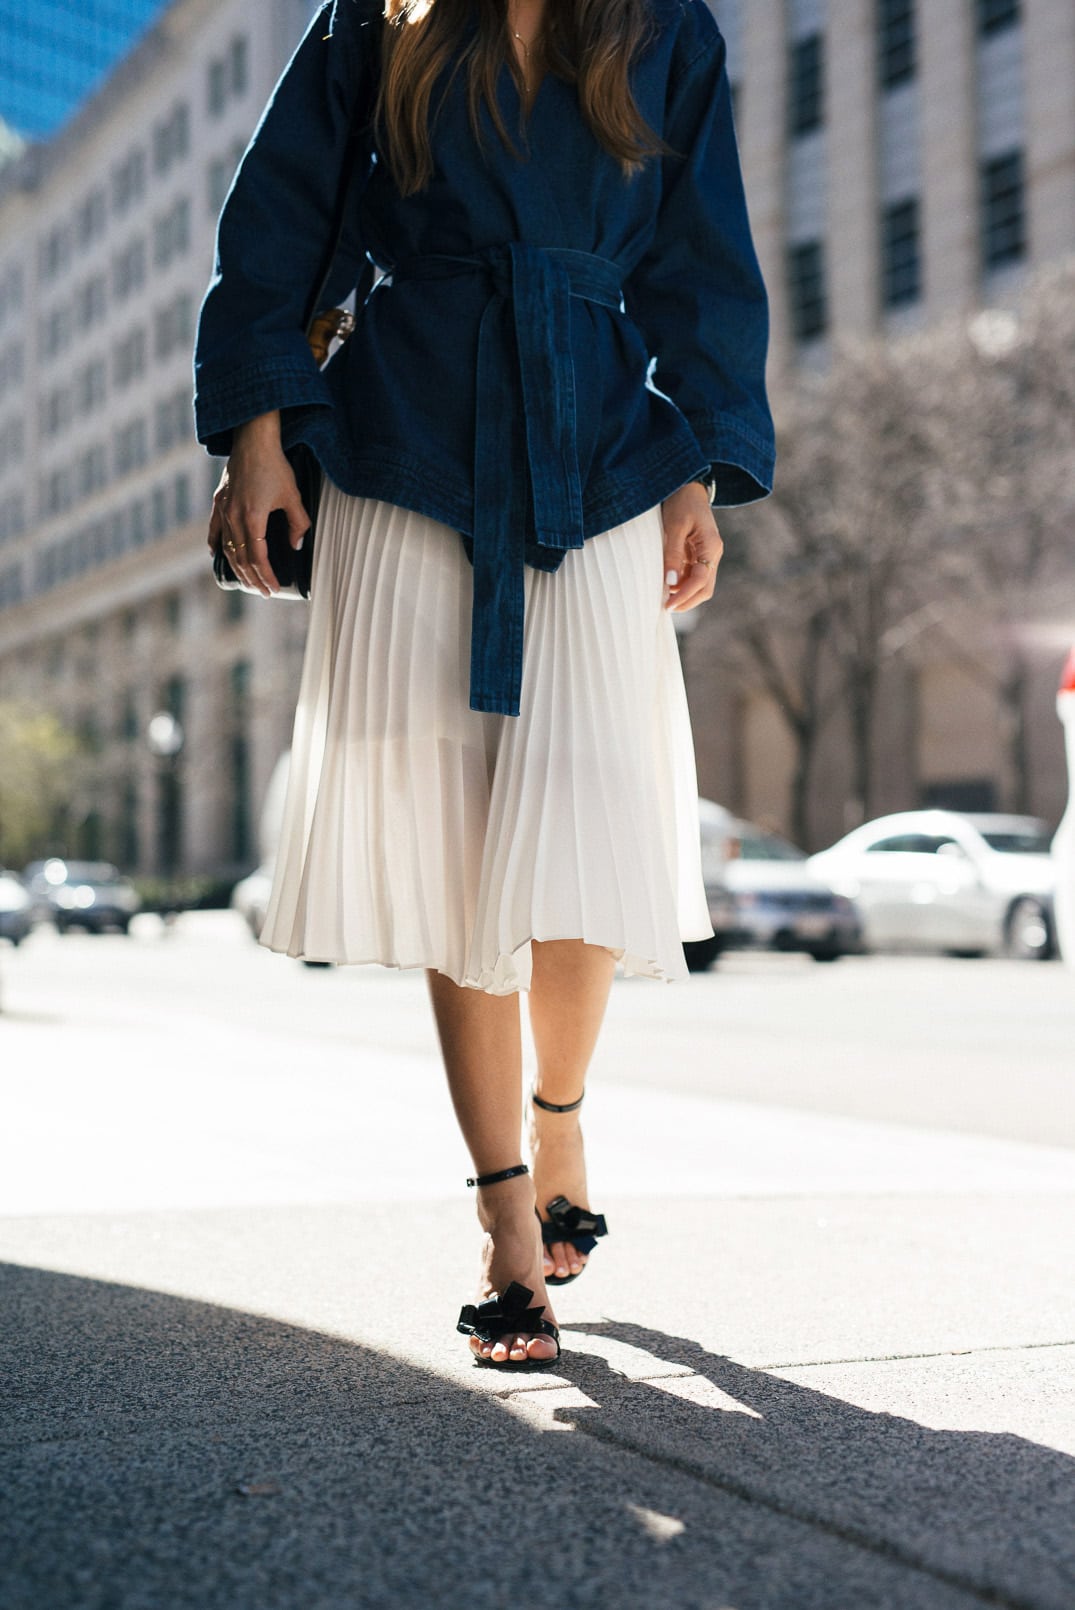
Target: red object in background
x: 1067, y: 676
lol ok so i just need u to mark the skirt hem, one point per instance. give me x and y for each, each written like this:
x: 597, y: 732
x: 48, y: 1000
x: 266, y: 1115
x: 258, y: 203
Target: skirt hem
x: 487, y: 980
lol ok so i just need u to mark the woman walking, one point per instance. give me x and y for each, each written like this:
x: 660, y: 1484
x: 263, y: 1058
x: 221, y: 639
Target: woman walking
x: 559, y: 368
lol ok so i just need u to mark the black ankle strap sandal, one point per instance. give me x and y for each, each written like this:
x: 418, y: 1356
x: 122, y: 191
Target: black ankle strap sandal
x: 504, y: 1316
x: 510, y: 1314
x: 566, y: 1222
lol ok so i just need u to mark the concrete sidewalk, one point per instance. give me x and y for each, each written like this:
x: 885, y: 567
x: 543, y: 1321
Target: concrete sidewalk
x: 835, y: 1369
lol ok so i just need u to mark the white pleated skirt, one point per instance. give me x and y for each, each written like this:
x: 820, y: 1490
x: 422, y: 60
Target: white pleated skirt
x: 417, y: 832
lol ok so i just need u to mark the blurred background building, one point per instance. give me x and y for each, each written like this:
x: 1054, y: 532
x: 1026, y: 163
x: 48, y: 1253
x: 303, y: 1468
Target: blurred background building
x: 905, y: 162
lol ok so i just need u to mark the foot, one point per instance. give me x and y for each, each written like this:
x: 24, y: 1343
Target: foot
x: 559, y: 1169
x: 512, y: 1251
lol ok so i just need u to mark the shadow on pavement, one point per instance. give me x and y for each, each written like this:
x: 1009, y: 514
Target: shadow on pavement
x: 991, y: 1513
x: 159, y: 1453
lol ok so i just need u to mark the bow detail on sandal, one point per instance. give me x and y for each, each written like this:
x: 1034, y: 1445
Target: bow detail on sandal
x: 566, y: 1222
x: 508, y: 1315
x: 569, y: 1223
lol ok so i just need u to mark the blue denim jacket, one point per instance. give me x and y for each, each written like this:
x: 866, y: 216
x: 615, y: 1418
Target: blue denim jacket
x: 551, y: 348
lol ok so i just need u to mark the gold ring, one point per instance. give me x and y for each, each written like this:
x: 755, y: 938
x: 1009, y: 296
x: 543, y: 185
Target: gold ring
x: 708, y: 562
x: 231, y: 547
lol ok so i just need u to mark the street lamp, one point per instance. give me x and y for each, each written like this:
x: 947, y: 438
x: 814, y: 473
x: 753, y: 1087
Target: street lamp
x: 164, y: 735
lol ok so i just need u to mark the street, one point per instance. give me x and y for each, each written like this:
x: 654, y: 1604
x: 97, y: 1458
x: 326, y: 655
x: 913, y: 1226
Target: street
x: 824, y: 1358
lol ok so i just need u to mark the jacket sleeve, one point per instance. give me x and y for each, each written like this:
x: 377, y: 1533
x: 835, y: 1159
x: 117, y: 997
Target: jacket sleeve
x: 697, y: 294
x: 251, y: 354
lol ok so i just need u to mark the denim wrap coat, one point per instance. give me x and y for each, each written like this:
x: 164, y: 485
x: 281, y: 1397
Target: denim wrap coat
x: 544, y: 348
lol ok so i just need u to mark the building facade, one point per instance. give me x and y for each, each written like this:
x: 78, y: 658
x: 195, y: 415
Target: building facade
x: 904, y: 161
x: 108, y: 613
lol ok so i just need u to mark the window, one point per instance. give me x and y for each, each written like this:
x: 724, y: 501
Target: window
x: 174, y: 326
x: 56, y: 330
x: 138, y: 524
x: 239, y: 65
x: 57, y: 492
x: 129, y: 270
x: 129, y: 358
x: 182, y: 499
x: 57, y: 410
x: 91, y: 219
x: 228, y: 76
x: 218, y: 87
x: 10, y: 291
x: 91, y: 387
x: 171, y: 233
x: 173, y: 421
x: 806, y: 290
x: 805, y: 86
x: 92, y: 470
x: 171, y: 138
x: 12, y: 516
x: 130, y: 447
x: 11, y: 366
x: 12, y: 444
x: 901, y: 266
x: 895, y: 42
x: 91, y: 302
x: 55, y: 252
x: 160, y: 511
x: 993, y: 15
x: 1003, y: 210
x: 128, y: 181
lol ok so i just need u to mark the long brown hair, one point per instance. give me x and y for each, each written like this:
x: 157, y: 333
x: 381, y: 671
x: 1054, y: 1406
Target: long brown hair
x: 589, y: 43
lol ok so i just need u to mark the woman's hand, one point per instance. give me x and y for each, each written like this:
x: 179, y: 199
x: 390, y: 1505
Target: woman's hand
x: 692, y: 547
x: 257, y: 479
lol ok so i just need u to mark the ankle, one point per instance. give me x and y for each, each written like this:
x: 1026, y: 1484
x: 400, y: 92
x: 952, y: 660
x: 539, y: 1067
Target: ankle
x: 502, y: 1205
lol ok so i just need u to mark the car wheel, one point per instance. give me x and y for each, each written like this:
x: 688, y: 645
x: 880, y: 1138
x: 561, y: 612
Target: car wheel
x: 825, y: 953
x: 700, y: 954
x: 1027, y: 935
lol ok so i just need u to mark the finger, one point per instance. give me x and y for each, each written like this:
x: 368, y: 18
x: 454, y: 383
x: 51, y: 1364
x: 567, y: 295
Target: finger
x: 298, y: 522
x: 697, y: 587
x: 675, y: 558
x: 258, y: 558
x: 245, y: 522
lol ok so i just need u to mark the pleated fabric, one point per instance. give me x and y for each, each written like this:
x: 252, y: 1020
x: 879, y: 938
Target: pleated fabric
x: 417, y: 832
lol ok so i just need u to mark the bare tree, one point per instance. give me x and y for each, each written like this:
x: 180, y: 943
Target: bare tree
x: 827, y: 580
x: 1000, y: 393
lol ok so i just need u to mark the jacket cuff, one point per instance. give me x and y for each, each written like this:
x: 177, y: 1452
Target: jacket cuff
x: 224, y: 399
x: 741, y: 463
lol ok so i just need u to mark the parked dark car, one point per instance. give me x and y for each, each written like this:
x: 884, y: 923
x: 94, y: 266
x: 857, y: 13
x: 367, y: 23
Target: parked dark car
x: 781, y: 904
x: 15, y: 907
x: 92, y: 895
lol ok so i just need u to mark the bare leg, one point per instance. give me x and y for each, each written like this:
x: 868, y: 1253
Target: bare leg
x: 568, y: 995
x: 481, y: 1044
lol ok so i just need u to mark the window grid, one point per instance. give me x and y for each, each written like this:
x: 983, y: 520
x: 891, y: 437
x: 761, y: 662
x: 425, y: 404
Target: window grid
x: 995, y: 15
x: 895, y: 42
x: 805, y: 86
x: 806, y: 290
x: 901, y: 263
x: 1003, y: 210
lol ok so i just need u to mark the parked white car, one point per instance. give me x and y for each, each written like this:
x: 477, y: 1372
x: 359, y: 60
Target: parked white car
x: 949, y: 881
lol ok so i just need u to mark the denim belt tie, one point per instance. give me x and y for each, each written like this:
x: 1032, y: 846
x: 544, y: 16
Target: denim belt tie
x: 529, y: 403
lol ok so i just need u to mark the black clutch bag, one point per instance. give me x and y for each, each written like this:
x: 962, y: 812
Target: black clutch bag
x: 292, y: 567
